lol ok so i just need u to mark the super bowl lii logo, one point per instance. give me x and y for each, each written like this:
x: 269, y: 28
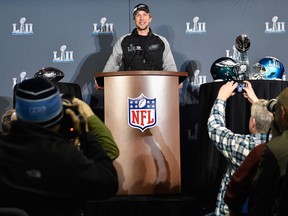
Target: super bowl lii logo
x: 196, y: 27
x: 102, y: 28
x: 142, y: 112
x: 64, y: 56
x: 22, y: 28
x: 235, y: 53
x: 22, y: 76
x: 275, y: 26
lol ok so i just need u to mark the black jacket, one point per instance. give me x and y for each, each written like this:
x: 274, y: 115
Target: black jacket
x: 44, y: 174
x: 151, y: 52
x: 142, y: 52
x: 268, y: 181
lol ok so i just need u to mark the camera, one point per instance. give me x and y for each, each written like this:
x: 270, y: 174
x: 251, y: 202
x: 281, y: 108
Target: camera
x: 240, y: 87
x: 67, y: 127
x: 271, y: 105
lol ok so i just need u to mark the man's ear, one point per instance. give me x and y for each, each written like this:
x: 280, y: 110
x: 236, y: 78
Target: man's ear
x: 254, y: 123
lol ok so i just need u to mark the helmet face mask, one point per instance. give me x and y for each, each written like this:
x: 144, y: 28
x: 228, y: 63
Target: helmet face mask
x: 225, y: 69
x: 268, y: 68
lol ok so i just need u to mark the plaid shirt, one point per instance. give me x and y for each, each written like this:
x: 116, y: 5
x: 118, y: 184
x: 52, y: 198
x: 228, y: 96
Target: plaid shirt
x: 234, y: 147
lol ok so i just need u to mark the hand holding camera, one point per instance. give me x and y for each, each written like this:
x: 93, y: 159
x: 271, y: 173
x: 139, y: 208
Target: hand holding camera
x: 73, y: 123
x: 232, y: 87
x: 227, y: 90
x: 76, y: 120
x: 249, y: 92
x: 240, y: 87
x: 83, y: 108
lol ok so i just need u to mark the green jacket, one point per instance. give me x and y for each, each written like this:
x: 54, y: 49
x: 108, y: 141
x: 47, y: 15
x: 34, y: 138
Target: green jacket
x: 104, y: 136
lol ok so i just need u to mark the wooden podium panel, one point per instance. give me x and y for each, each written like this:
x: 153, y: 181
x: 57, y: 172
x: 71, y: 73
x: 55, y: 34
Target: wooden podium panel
x: 149, y: 161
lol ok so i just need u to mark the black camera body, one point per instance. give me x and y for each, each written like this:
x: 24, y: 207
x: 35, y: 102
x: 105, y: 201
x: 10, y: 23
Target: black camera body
x: 67, y: 127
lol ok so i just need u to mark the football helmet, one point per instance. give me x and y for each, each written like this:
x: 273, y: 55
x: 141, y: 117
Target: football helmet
x: 268, y: 68
x: 225, y: 69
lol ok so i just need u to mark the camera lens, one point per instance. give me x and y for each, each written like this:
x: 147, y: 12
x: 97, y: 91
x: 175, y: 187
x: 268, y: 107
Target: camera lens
x: 271, y: 105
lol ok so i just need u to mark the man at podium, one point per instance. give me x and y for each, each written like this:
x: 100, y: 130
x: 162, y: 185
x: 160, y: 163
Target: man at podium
x: 141, y: 49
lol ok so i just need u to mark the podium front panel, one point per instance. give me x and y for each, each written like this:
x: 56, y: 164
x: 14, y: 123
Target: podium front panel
x: 149, y: 161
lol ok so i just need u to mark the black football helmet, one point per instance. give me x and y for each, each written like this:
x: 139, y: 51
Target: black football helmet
x: 225, y: 69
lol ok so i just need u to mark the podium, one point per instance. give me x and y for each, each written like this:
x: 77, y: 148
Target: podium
x: 142, y: 111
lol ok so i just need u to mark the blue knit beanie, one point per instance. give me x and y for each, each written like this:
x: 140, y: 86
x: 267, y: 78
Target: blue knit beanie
x: 38, y: 100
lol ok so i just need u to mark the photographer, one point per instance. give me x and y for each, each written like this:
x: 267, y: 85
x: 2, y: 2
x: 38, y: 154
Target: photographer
x: 235, y: 147
x: 268, y: 181
x: 41, y: 172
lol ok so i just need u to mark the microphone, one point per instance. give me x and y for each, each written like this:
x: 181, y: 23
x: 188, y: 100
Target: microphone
x: 137, y: 51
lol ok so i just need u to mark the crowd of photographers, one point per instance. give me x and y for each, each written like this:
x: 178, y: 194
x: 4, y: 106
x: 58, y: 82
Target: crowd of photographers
x: 56, y: 154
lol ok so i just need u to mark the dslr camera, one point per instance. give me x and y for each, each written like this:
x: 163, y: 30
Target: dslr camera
x: 67, y: 127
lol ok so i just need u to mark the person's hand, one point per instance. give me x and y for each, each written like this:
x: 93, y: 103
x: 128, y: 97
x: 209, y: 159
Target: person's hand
x: 97, y: 86
x: 77, y: 121
x: 85, y: 111
x: 249, y: 92
x: 227, y: 90
x: 83, y: 108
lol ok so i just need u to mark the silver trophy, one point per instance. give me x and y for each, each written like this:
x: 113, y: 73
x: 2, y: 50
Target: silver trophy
x: 242, y: 44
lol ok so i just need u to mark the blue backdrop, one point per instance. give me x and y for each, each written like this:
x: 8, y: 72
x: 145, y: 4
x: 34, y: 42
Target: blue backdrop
x: 67, y: 34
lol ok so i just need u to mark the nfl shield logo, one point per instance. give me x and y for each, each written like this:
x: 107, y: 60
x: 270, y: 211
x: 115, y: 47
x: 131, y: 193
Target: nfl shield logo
x: 142, y: 112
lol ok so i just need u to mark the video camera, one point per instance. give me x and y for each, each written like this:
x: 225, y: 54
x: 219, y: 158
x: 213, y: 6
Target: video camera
x: 67, y: 127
